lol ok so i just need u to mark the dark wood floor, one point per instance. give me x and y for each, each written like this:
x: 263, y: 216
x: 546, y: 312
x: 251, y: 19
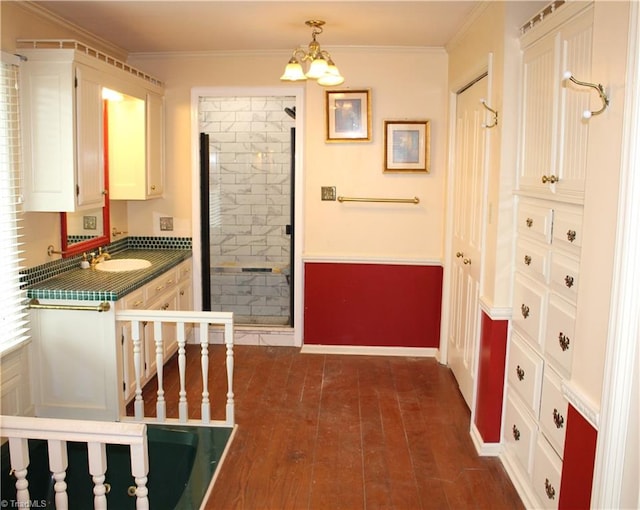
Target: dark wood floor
x: 345, y: 432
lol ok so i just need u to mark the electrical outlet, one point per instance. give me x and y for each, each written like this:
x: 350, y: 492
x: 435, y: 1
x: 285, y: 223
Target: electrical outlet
x: 166, y: 223
x: 328, y: 192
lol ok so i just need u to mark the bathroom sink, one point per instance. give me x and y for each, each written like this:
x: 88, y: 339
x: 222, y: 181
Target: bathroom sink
x: 117, y: 265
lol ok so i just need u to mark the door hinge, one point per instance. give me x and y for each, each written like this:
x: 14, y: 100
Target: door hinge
x: 124, y: 387
x: 77, y: 190
x: 75, y: 81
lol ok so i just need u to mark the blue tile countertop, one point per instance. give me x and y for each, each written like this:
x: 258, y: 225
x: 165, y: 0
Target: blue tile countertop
x: 94, y: 285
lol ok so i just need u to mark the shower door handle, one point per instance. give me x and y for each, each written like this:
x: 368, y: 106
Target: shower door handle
x: 287, y: 230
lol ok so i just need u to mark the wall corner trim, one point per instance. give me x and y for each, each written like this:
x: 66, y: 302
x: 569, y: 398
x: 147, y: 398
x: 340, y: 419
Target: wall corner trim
x: 484, y: 449
x: 496, y: 313
x: 581, y: 403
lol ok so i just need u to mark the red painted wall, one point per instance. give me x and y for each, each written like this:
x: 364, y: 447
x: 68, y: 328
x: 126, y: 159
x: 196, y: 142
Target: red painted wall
x: 372, y: 304
x: 491, y: 367
x: 578, y: 462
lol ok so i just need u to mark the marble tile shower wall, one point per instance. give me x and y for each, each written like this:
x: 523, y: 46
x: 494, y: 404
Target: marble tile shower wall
x: 250, y: 204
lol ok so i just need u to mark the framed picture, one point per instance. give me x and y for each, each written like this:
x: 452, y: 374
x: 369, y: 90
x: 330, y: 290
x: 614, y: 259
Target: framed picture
x: 406, y: 146
x: 348, y: 115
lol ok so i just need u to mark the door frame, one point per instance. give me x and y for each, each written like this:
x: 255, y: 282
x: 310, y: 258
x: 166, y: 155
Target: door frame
x: 298, y: 93
x: 469, y: 77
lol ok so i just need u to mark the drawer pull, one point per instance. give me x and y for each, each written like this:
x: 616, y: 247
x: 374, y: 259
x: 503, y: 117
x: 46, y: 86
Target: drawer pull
x: 529, y: 222
x: 571, y: 235
x: 520, y: 373
x: 524, y: 309
x: 516, y: 433
x: 466, y: 261
x: 136, y: 304
x: 568, y: 281
x: 527, y: 260
x: 548, y: 488
x: 165, y: 306
x: 564, y: 341
x: 159, y: 288
x: 182, y: 292
x: 558, y: 419
x: 459, y: 254
x: 169, y: 282
x: 552, y: 179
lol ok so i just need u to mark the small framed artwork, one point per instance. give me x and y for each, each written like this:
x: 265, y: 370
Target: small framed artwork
x: 348, y: 115
x: 406, y: 146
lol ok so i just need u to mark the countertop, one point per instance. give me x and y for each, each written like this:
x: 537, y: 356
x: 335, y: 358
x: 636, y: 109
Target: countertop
x: 94, y: 285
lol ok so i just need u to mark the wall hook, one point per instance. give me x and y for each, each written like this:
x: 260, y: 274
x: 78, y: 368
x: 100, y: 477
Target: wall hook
x: 587, y: 114
x: 495, y: 115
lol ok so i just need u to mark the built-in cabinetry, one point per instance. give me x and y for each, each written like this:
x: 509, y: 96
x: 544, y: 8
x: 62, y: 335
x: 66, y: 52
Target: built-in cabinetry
x: 548, y: 245
x: 82, y: 363
x: 171, y: 291
x: 68, y: 95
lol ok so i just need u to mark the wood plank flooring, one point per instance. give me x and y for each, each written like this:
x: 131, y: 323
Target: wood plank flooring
x: 343, y: 432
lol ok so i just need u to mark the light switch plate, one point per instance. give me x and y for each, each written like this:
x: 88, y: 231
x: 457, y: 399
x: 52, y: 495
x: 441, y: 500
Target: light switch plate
x: 328, y: 192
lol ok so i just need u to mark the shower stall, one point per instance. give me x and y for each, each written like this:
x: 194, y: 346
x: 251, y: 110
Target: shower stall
x: 247, y: 180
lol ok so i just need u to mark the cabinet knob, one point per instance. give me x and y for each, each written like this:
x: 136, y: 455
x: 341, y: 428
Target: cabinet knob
x: 520, y: 373
x: 516, y: 433
x: 548, y: 488
x: 564, y: 341
x: 529, y: 222
x: 568, y: 281
x: 524, y: 309
x: 571, y: 235
x: 153, y: 187
x: 558, y: 419
x: 551, y: 179
x: 527, y: 260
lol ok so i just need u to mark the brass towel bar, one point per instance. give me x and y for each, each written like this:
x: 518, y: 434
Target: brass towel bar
x: 414, y: 200
x: 102, y: 307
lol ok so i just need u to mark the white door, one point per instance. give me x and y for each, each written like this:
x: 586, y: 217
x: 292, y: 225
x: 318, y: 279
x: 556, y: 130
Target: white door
x: 465, y: 265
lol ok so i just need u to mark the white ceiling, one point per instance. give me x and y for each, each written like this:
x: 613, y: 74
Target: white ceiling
x: 227, y: 25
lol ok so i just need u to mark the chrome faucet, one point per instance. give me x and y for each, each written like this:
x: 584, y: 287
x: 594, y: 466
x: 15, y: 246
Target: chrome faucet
x: 96, y: 259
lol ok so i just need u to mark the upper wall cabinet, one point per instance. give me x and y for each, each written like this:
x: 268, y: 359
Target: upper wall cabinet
x: 554, y: 133
x: 84, y: 112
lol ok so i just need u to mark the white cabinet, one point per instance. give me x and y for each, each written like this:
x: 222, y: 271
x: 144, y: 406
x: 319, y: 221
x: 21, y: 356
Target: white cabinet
x: 170, y: 291
x: 61, y: 102
x: 70, y: 136
x: 554, y: 134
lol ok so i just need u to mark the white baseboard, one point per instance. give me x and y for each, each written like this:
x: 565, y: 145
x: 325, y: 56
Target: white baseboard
x: 484, y: 449
x: 520, y: 480
x: 415, y: 352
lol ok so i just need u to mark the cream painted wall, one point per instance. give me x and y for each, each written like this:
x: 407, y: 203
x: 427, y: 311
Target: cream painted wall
x: 413, y: 86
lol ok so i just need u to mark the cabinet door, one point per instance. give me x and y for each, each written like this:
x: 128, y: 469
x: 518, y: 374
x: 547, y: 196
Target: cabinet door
x: 539, y: 113
x: 134, y: 301
x: 575, y: 46
x: 155, y: 145
x: 90, y: 139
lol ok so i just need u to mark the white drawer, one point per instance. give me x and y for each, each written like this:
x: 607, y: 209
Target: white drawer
x: 567, y: 229
x: 132, y: 301
x: 547, y: 471
x: 520, y: 432
x: 529, y: 299
x: 565, y: 275
x: 553, y: 411
x: 525, y: 373
x: 532, y: 260
x: 559, y: 341
x: 535, y: 222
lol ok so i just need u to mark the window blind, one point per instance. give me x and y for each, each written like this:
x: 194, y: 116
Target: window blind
x: 13, y: 314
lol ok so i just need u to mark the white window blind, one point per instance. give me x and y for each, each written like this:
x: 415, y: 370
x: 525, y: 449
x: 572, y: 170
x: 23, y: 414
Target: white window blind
x: 13, y: 315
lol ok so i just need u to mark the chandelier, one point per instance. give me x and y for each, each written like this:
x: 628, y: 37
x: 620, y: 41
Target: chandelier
x: 321, y: 67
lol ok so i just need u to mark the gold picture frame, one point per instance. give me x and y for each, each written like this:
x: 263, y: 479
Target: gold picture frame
x: 406, y: 146
x: 348, y: 115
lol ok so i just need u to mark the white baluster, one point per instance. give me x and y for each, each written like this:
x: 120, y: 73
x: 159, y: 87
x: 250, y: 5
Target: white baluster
x: 139, y: 470
x: 138, y: 405
x: 58, y: 463
x: 228, y: 340
x: 97, y: 469
x: 161, y: 406
x: 183, y: 412
x: 204, y: 362
x: 19, y: 453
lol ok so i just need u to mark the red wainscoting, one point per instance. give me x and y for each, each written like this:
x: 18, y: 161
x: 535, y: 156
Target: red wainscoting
x: 491, y: 367
x: 578, y: 462
x: 372, y: 304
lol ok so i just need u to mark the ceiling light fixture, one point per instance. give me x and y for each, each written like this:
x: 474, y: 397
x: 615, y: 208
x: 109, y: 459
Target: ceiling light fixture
x: 321, y: 67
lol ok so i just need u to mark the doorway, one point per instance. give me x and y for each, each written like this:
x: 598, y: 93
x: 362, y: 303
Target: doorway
x: 247, y: 156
